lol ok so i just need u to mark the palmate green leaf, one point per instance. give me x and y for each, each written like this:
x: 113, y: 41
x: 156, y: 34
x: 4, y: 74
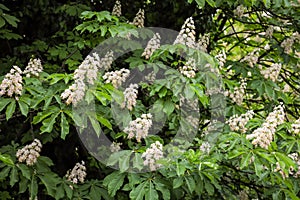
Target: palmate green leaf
x: 211, y: 3
x: 113, y: 182
x: 138, y: 193
x: 124, y: 161
x: 24, y: 108
x: 2, y: 22
x: 13, y: 178
x: 50, y: 181
x: 64, y: 125
x: 95, y: 125
x: 162, y: 188
x: 48, y: 123
x: 168, y: 107
x: 177, y: 182
x: 6, y: 159
x: 10, y: 109
x: 12, y: 20
x: 151, y: 192
x: 23, y: 184
x: 4, y: 102
x: 5, y: 172
x: 42, y: 115
x: 25, y: 170
x: 190, y: 182
x: 245, y: 160
x: 104, y: 121
x: 33, y: 188
x: 96, y: 192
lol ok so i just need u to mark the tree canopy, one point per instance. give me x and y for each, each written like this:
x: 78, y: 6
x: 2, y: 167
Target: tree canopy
x: 189, y: 99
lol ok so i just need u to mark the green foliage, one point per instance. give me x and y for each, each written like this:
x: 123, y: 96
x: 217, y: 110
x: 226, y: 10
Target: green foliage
x: 62, y: 35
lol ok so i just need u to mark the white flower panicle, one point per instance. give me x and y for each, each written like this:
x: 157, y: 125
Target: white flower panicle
x: 239, y: 11
x: 189, y: 69
x: 194, y: 122
x: 139, y: 19
x: 238, y: 123
x: 88, y: 69
x: 116, y: 78
x: 34, y: 67
x: 263, y: 136
x: 287, y: 88
x: 117, y: 9
x: 279, y: 169
x: 203, y: 42
x: 152, y: 154
x: 251, y: 58
x: 152, y: 45
x: 187, y: 34
x: 130, y: 95
x: 12, y: 83
x: 272, y: 72
x: 239, y: 92
x: 75, y: 93
x: 86, y: 72
x: 139, y: 127
x: 221, y: 57
x: 269, y: 31
x: 115, y: 147
x: 77, y: 174
x: 205, y: 147
x: 296, y: 127
x: 30, y: 153
x: 296, y: 158
x: 107, y: 60
x: 288, y: 43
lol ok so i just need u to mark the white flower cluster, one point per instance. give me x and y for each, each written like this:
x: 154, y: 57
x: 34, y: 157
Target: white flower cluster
x: 194, y: 122
x: 287, y: 88
x: 239, y: 92
x: 269, y: 31
x: 78, y: 173
x: 74, y: 93
x: 153, y: 154
x: 263, y: 136
x: 288, y: 43
x: 34, y: 67
x: 272, y: 72
x: 116, y: 78
x: 87, y: 71
x: 30, y: 153
x: 139, y: 127
x: 205, y: 147
x: 130, y: 95
x: 107, y: 60
x: 203, y: 42
x: 251, y: 58
x: 279, y: 169
x: 239, y: 11
x: 117, y: 9
x: 12, y: 83
x: 296, y: 127
x: 139, y: 19
x: 238, y: 123
x: 152, y: 45
x: 187, y: 34
x: 150, y: 78
x: 115, y: 147
x: 221, y: 57
x: 189, y: 69
x: 296, y: 158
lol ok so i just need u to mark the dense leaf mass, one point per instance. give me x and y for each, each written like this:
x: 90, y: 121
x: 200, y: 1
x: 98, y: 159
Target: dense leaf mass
x: 204, y: 107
